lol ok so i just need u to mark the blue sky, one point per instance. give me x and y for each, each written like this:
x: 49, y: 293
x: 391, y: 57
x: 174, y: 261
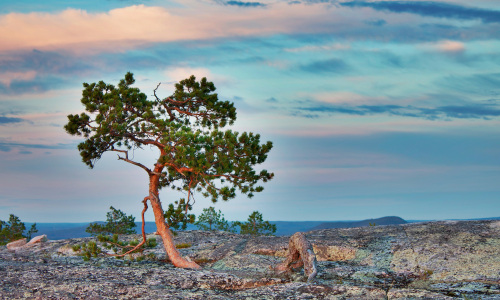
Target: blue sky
x: 375, y: 108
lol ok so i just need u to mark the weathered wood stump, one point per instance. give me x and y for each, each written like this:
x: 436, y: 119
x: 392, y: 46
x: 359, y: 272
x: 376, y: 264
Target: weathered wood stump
x: 300, y: 253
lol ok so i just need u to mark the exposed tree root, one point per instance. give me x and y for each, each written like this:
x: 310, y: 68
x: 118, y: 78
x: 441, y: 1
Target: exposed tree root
x: 300, y: 253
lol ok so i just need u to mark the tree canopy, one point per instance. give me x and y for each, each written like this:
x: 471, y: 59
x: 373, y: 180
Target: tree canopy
x: 184, y: 127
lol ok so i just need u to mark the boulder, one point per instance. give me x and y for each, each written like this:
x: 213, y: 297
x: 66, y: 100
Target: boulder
x: 37, y: 240
x: 16, y: 244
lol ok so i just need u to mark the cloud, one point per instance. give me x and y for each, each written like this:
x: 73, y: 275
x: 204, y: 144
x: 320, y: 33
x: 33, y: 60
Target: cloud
x: 378, y: 22
x: 468, y: 111
x: 8, y: 77
x: 138, y: 26
x: 484, y: 84
x: 330, y: 47
x: 180, y: 73
x: 333, y: 65
x: 125, y: 27
x: 246, y: 4
x: 7, y: 120
x: 431, y: 9
x: 8, y: 146
x: 177, y: 74
x: 28, y: 71
x: 451, y: 46
x: 446, y: 46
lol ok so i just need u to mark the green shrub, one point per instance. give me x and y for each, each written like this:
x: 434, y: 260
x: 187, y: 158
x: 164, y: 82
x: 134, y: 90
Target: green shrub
x: 182, y: 245
x: 151, y: 243
x: 117, y: 223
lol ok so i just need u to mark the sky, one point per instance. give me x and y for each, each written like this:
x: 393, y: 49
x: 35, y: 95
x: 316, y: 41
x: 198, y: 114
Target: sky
x: 375, y: 108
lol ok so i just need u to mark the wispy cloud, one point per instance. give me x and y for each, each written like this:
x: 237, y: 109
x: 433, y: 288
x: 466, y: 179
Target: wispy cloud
x: 8, y: 120
x: 469, y: 111
x: 333, y: 65
x: 7, y: 77
x: 450, y: 46
x: 378, y: 22
x: 245, y: 4
x: 330, y: 47
x: 8, y: 146
x: 431, y: 9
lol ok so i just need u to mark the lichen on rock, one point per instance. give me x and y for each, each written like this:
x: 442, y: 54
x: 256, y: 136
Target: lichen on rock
x: 436, y: 260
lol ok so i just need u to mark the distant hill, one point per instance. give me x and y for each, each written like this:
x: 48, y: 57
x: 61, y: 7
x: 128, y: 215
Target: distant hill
x: 291, y: 227
x: 350, y: 224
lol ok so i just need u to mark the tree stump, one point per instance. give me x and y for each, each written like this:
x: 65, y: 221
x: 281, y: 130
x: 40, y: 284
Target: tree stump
x: 300, y: 253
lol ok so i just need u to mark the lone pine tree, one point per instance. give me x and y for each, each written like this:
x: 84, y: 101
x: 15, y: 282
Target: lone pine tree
x: 210, y: 220
x: 255, y: 225
x: 194, y: 154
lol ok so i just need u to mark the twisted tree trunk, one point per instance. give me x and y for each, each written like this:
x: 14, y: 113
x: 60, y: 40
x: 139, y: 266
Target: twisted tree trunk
x: 162, y: 228
x: 300, y: 253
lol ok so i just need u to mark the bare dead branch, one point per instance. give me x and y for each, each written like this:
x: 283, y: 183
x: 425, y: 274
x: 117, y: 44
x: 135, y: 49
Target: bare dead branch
x: 131, y: 161
x: 154, y: 91
x: 143, y: 232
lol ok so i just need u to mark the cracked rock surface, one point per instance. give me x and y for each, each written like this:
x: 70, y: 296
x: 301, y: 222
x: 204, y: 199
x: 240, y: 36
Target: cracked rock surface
x: 435, y: 260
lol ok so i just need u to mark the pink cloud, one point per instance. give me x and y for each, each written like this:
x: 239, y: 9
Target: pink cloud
x: 123, y: 28
x: 7, y: 77
x: 445, y: 46
x: 450, y: 46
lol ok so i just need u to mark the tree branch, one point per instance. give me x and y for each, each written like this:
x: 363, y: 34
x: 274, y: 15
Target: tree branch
x: 131, y: 161
x: 144, y: 141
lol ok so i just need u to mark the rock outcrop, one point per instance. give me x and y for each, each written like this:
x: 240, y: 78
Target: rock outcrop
x: 436, y: 260
x: 22, y: 244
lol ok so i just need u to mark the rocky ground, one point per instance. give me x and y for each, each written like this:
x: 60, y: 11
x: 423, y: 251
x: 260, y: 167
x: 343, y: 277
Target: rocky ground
x: 437, y: 260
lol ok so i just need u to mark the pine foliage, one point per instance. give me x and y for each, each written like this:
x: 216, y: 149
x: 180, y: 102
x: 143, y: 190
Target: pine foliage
x: 255, y: 225
x: 177, y: 217
x: 13, y: 230
x: 212, y: 220
x: 117, y: 223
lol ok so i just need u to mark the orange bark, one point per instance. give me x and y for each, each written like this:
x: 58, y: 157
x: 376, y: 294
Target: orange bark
x: 162, y: 228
